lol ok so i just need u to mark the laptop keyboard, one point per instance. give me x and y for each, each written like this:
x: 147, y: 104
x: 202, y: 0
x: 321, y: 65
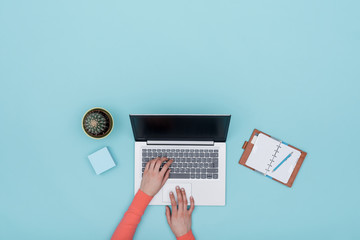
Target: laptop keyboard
x: 188, y: 163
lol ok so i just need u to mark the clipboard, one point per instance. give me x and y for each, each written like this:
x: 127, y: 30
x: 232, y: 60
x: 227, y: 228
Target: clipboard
x: 248, y: 147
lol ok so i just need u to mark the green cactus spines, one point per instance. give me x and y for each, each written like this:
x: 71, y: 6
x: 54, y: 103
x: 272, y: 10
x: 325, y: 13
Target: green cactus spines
x: 97, y: 123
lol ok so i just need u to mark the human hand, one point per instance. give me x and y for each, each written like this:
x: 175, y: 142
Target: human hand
x: 153, y: 178
x: 180, y: 218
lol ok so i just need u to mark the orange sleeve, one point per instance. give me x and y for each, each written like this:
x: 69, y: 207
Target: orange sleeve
x: 128, y: 224
x: 188, y: 236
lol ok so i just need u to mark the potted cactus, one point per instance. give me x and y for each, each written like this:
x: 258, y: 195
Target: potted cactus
x: 97, y: 123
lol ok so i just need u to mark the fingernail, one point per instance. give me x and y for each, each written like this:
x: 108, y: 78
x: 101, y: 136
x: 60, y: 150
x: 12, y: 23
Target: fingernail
x: 191, y: 197
x: 171, y: 193
x: 177, y: 187
x: 182, y: 189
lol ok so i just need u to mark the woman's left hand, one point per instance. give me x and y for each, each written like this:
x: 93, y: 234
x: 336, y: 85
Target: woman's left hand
x: 153, y: 178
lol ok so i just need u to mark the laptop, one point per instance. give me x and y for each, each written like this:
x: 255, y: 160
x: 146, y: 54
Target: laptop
x: 196, y: 143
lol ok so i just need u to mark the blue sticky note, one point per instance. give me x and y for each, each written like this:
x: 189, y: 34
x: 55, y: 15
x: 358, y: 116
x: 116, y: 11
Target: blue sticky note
x: 101, y: 160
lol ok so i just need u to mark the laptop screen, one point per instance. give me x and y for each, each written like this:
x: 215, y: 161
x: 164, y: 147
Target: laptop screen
x: 180, y: 127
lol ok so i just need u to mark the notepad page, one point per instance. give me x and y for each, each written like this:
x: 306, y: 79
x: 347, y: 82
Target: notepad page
x: 267, y: 153
x: 284, y: 172
x: 262, y: 152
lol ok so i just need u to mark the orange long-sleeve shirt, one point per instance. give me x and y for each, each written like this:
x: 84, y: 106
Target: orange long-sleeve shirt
x: 128, y: 224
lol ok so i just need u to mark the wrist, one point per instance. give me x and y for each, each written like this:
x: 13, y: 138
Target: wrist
x: 146, y: 192
x: 184, y: 235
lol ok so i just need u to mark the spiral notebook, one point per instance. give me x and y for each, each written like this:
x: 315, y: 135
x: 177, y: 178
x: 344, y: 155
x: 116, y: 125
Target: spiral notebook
x: 264, y: 153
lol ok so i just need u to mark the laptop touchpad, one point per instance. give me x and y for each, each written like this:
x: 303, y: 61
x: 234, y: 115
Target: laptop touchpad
x: 171, y: 187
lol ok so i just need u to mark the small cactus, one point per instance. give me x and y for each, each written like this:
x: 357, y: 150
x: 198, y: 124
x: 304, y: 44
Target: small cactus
x: 97, y: 123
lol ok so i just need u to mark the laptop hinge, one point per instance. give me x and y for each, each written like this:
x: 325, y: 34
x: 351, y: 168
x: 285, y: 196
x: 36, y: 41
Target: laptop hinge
x: 203, y: 143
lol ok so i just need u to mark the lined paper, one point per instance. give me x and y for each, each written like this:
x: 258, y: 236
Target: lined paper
x: 267, y: 153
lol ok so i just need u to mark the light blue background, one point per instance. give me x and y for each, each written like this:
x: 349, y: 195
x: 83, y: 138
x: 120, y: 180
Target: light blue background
x: 289, y: 68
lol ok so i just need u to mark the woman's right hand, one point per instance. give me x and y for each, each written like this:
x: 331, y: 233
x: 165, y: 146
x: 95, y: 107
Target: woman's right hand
x: 179, y: 219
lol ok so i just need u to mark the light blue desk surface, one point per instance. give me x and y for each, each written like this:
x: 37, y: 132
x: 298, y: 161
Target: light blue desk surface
x: 289, y: 68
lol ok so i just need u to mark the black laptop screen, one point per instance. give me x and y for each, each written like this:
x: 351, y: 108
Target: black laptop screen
x: 180, y: 127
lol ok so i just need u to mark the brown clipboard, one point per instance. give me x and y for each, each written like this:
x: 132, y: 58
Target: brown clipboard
x: 248, y: 146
